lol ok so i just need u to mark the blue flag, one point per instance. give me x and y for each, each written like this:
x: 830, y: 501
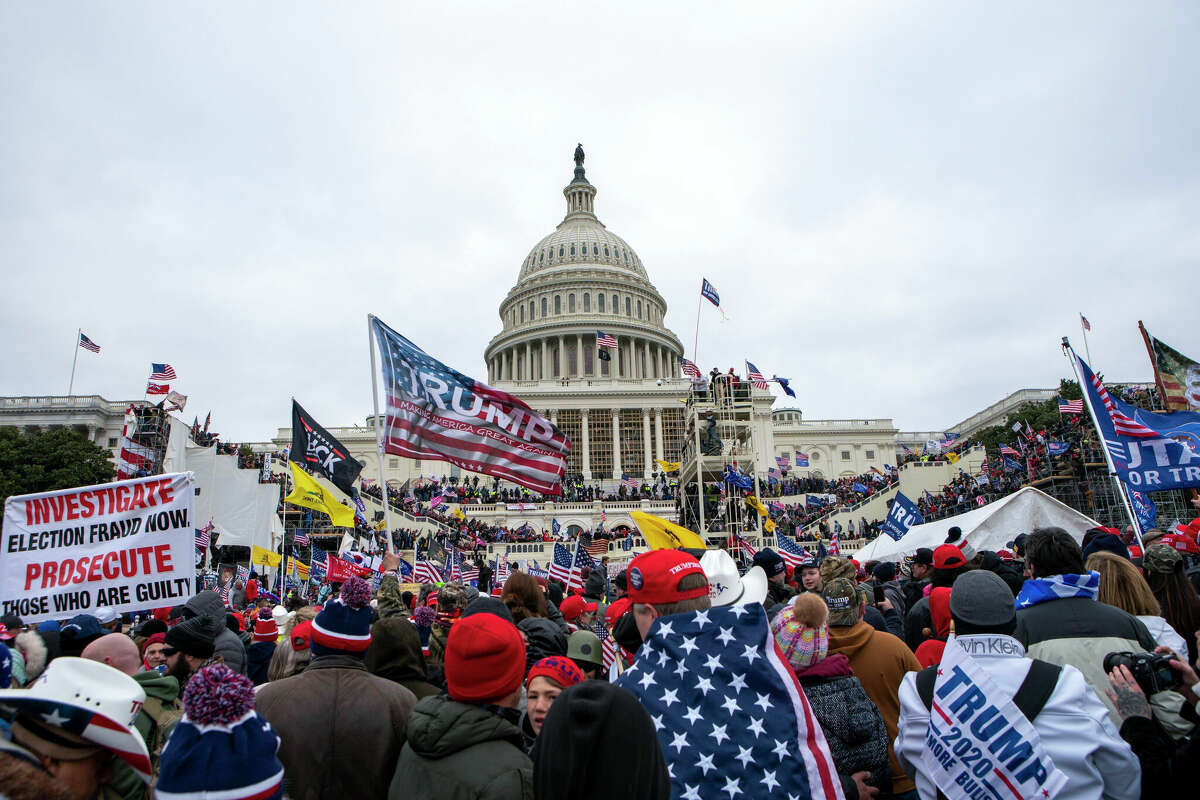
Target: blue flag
x: 858, y: 487
x: 709, y: 292
x: 815, y: 501
x: 902, y: 516
x: 783, y: 384
x: 736, y: 478
x: 1143, y: 509
x: 728, y: 710
x: 555, y: 527
x: 1012, y: 465
x: 1150, y: 452
x: 1057, y: 448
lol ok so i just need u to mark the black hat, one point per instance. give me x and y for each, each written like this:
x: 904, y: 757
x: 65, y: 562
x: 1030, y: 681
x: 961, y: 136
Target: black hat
x: 770, y: 561
x: 923, y: 556
x: 191, y: 637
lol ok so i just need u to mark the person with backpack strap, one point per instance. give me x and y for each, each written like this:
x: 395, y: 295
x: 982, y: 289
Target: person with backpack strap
x: 1072, y: 726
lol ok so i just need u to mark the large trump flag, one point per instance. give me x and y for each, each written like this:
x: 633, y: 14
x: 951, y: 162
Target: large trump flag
x: 435, y: 412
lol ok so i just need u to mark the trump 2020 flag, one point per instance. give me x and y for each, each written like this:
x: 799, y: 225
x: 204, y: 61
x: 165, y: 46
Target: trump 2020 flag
x: 435, y: 412
x: 902, y: 516
x: 729, y: 712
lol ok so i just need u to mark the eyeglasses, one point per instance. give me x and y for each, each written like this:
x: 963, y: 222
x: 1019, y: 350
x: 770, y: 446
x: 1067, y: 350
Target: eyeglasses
x: 169, y: 651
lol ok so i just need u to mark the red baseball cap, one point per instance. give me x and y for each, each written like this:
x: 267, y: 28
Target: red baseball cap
x: 616, y: 610
x: 947, y: 556
x: 1180, y: 542
x: 654, y: 577
x: 575, y: 605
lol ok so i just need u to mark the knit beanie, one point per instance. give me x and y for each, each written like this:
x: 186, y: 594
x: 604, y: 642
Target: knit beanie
x: 191, y: 637
x: 802, y: 630
x: 265, y: 629
x: 344, y: 625
x: 559, y: 669
x: 222, y: 747
x: 484, y: 659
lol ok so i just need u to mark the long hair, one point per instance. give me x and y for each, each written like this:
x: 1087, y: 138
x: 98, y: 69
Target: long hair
x: 1180, y: 607
x: 523, y: 596
x: 1121, y: 585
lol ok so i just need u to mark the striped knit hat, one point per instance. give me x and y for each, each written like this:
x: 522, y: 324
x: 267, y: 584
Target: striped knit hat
x: 344, y: 626
x: 802, y: 631
x: 265, y: 629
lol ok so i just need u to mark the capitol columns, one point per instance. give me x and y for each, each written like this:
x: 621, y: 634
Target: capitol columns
x: 587, y: 458
x: 646, y: 441
x: 561, y: 356
x: 658, y: 436
x: 528, y: 360
x: 616, y: 442
x: 579, y: 355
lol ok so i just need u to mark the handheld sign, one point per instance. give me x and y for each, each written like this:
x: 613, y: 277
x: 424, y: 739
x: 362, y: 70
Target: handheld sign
x: 127, y: 545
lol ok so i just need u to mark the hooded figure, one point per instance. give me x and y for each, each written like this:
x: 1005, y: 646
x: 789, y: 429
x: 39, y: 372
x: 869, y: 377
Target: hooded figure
x: 598, y: 743
x: 543, y: 638
x: 395, y: 654
x: 208, y: 606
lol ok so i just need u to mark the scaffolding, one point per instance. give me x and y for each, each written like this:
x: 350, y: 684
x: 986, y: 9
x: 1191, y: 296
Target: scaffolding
x: 719, y: 434
x: 144, y: 440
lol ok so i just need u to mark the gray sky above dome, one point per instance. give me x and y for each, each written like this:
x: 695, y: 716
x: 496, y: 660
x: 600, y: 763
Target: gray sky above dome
x: 903, y: 208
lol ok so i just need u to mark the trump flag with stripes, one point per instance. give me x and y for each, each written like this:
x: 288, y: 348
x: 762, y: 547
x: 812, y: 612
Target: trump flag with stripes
x: 435, y: 412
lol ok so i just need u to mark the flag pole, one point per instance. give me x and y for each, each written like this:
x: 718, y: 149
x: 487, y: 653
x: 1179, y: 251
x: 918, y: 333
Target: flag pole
x: 1086, y: 349
x: 1158, y: 381
x: 1112, y: 470
x: 79, y: 332
x: 696, y: 341
x: 383, y: 487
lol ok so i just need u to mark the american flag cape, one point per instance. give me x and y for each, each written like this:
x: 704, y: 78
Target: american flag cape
x: 729, y: 712
x: 437, y: 413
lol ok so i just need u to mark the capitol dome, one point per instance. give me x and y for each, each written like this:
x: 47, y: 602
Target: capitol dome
x: 580, y: 280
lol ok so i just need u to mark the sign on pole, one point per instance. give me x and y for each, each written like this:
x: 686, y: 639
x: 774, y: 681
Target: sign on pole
x: 127, y: 545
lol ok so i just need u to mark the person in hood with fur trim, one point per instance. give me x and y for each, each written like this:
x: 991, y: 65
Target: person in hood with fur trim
x: 207, y: 605
x: 341, y: 728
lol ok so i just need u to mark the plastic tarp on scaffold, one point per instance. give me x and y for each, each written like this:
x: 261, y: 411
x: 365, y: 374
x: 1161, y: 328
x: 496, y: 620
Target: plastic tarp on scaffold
x: 988, y: 527
x: 243, y: 511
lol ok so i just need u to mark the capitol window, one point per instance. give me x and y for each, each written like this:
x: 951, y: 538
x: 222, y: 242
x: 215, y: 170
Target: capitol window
x: 522, y: 313
x: 628, y: 307
x: 543, y: 306
x: 571, y: 304
x: 542, y: 257
x: 558, y: 304
x: 606, y: 251
x: 560, y: 251
x: 600, y: 303
x: 845, y: 455
x: 587, y: 302
x: 595, y: 250
x: 639, y: 309
x: 572, y: 248
x: 616, y: 307
x: 870, y: 455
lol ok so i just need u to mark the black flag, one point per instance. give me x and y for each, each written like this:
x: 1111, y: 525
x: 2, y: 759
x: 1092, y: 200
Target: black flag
x: 603, y: 354
x: 313, y: 447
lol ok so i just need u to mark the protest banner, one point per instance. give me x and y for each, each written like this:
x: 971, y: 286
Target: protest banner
x: 126, y: 545
x: 901, y: 516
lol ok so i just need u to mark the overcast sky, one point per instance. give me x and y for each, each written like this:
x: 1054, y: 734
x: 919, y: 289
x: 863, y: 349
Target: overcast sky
x: 903, y: 208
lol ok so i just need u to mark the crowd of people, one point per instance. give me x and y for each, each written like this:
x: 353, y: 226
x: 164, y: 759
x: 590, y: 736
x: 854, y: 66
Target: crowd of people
x: 669, y: 678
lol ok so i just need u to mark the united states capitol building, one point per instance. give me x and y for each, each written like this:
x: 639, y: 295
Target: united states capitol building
x: 620, y: 413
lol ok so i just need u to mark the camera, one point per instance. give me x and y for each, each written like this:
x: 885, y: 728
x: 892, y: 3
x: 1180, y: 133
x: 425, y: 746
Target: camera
x: 1152, y: 671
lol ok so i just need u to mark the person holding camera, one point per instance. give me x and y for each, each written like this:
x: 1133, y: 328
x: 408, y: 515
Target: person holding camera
x: 1166, y: 764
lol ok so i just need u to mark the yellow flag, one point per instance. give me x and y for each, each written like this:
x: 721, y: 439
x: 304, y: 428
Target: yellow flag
x: 300, y: 568
x: 669, y: 466
x: 458, y: 514
x: 310, y: 494
x: 757, y: 505
x: 265, y: 557
x: 663, y: 534
x: 769, y: 526
x: 952, y: 458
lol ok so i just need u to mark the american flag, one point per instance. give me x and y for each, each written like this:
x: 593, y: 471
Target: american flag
x: 605, y: 340
x: 1070, y: 406
x: 834, y: 546
x: 774, y: 473
x: 746, y: 546
x: 161, y: 372
x: 426, y: 572
x: 483, y: 430
x: 755, y: 376
x: 158, y: 388
x: 560, y: 566
x: 224, y: 593
x: 979, y: 501
x: 630, y: 483
x: 709, y: 292
x: 470, y: 572
x: 801, y: 459
x: 203, y: 536
x: 1087, y: 326
x: 781, y: 460
x: 318, y: 556
x: 88, y: 344
x: 594, y: 547
x: 791, y: 552
x: 582, y: 559
x: 1122, y: 422
x: 608, y: 648
x: 1005, y: 450
x: 500, y: 573
x: 690, y: 370
x: 300, y: 538
x: 728, y: 711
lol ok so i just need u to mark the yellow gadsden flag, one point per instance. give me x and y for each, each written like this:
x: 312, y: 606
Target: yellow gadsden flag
x: 669, y: 466
x: 757, y: 505
x: 265, y: 557
x: 952, y: 458
x: 663, y: 534
x: 310, y: 494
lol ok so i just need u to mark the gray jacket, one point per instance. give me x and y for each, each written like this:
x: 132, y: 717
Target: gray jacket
x: 208, y: 606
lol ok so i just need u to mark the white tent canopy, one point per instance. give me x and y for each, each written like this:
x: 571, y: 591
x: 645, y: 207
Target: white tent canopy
x: 988, y: 527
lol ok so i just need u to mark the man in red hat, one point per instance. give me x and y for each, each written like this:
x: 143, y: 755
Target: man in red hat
x: 665, y: 582
x: 578, y: 613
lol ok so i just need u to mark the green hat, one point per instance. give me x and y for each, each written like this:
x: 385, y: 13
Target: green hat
x: 1161, y: 558
x: 842, y: 597
x: 585, y: 646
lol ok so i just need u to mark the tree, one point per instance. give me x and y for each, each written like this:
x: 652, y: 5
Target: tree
x: 45, y: 461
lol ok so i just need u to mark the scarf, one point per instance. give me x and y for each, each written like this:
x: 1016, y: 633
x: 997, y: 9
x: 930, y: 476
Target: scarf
x: 1058, y: 587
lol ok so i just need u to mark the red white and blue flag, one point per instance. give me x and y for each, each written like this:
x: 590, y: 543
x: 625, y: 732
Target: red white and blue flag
x: 88, y: 344
x: 424, y: 571
x: 690, y: 370
x: 756, y: 377
x: 161, y: 372
x: 1070, y: 406
x: 435, y: 412
x: 605, y: 340
x: 791, y: 552
x: 560, y: 565
x: 158, y: 388
x: 709, y: 292
x: 801, y: 459
x: 1005, y: 450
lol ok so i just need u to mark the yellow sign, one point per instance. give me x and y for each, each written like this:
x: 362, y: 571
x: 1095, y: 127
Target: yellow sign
x: 662, y: 534
x: 310, y: 494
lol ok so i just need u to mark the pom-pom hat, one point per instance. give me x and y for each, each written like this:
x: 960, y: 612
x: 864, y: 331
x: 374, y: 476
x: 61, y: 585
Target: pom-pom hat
x: 221, y: 749
x: 89, y: 701
x: 802, y: 630
x: 344, y: 626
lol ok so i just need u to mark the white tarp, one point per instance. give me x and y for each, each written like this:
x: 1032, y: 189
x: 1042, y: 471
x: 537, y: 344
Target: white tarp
x: 988, y: 527
x: 242, y: 510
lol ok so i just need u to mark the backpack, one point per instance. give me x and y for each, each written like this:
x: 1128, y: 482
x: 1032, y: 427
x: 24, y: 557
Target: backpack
x: 1031, y: 697
x: 163, y: 717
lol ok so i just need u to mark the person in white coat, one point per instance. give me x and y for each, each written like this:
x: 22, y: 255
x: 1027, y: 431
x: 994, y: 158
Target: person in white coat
x: 1073, y: 725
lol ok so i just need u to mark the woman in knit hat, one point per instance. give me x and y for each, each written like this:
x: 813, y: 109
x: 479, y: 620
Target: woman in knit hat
x: 262, y: 647
x: 543, y: 684
x: 851, y: 722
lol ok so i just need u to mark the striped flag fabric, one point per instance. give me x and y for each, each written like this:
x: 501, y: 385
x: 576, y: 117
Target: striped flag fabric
x: 1087, y: 326
x: 605, y: 340
x: 1123, y: 424
x: 790, y: 551
x: 134, y: 457
x: 1070, y: 406
x: 425, y: 572
x: 801, y: 459
x: 88, y: 344
x: 582, y: 559
x: 1005, y: 450
x: 755, y: 377
x: 597, y: 548
x: 300, y: 538
x: 161, y: 372
x: 630, y: 483
x: 203, y: 536
x: 746, y: 546
x: 158, y: 388
x: 560, y: 565
x: 690, y: 369
x: 835, y: 548
x: 608, y: 648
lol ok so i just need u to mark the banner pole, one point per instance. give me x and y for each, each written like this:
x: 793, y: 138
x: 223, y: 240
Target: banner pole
x: 1158, y: 381
x: 75, y: 360
x: 696, y: 341
x: 1112, y: 470
x: 383, y: 487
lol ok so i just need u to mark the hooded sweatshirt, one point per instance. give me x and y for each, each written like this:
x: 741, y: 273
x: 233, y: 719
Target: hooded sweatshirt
x: 208, y: 605
x: 395, y: 654
x: 542, y: 638
x: 880, y: 660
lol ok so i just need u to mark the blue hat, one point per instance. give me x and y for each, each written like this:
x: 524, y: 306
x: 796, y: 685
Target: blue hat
x: 770, y: 561
x: 344, y: 625
x: 221, y: 747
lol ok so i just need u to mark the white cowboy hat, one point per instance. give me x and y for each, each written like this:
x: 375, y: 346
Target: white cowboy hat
x: 90, y: 700
x: 725, y: 587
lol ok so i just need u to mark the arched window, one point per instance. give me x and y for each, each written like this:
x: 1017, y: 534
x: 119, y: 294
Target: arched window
x: 606, y: 251
x: 587, y: 302
x: 572, y: 248
x: 600, y: 302
x: 522, y: 313
x: 595, y: 250
x: 531, y: 311
x: 571, y: 303
x: 560, y: 251
x: 628, y: 307
x: 639, y: 309
x: 616, y: 307
x: 543, y: 306
x: 558, y: 304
